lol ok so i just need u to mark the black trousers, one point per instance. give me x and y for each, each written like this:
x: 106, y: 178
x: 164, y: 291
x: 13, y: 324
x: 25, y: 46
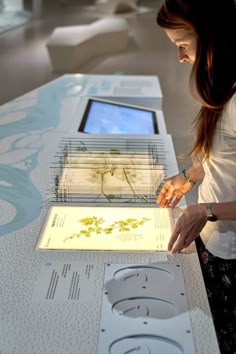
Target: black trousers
x: 220, y: 281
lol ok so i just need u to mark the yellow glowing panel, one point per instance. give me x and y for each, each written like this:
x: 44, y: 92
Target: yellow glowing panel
x: 102, y: 228
x: 106, y: 174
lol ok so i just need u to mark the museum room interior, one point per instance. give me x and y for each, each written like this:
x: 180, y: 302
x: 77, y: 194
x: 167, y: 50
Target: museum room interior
x: 25, y: 62
x: 83, y: 245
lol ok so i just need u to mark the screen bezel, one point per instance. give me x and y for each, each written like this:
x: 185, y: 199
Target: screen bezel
x: 84, y: 119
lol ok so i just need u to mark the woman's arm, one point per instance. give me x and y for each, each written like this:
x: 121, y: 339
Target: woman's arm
x: 195, y: 172
x: 175, y: 187
x: 192, y: 221
x: 224, y: 211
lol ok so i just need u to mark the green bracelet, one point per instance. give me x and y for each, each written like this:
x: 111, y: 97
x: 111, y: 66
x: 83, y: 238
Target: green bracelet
x: 184, y: 172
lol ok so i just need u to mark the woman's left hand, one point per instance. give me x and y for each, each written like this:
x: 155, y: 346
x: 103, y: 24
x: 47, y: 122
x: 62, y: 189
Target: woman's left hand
x: 188, y: 227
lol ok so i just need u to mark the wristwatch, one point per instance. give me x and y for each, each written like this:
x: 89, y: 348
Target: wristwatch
x: 210, y: 216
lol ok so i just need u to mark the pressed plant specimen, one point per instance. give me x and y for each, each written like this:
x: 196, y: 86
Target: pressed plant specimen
x: 95, y: 226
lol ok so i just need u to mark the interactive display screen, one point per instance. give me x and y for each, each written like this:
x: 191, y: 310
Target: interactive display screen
x: 106, y: 229
x: 110, y: 118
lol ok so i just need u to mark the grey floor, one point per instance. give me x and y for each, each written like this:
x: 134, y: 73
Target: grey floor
x: 25, y: 64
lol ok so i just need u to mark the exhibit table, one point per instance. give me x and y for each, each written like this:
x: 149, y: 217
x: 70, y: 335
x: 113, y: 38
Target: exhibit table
x: 84, y: 266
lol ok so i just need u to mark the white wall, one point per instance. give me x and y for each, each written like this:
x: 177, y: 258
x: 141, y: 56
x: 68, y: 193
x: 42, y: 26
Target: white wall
x: 37, y: 8
x: 13, y: 5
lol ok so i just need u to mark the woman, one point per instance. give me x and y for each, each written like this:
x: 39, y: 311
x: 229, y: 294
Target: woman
x: 205, y: 36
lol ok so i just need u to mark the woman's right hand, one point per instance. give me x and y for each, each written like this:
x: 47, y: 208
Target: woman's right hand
x: 173, y: 190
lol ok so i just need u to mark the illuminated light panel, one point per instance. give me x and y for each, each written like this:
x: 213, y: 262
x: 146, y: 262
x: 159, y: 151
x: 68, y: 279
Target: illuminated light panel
x: 108, y: 229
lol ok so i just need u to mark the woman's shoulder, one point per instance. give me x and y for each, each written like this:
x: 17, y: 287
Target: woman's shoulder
x: 231, y: 105
x: 229, y: 115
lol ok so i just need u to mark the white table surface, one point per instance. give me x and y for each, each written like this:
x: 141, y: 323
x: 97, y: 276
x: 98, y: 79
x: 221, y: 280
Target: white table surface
x: 31, y: 128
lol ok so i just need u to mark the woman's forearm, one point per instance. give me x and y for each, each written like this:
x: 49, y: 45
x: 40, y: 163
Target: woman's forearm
x: 195, y: 172
x: 224, y: 210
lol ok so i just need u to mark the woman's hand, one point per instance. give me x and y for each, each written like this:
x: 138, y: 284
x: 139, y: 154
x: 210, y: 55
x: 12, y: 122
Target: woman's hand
x: 188, y: 227
x: 173, y: 190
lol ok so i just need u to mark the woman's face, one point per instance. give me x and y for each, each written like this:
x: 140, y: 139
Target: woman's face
x: 186, y: 43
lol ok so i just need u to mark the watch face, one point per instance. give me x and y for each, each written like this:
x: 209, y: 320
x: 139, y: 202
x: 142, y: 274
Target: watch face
x: 210, y: 216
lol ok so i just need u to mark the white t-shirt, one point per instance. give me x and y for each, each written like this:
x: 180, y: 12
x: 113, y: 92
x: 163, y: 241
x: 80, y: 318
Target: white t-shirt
x: 219, y: 184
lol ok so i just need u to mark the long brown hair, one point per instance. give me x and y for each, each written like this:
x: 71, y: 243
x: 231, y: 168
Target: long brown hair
x: 213, y: 75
